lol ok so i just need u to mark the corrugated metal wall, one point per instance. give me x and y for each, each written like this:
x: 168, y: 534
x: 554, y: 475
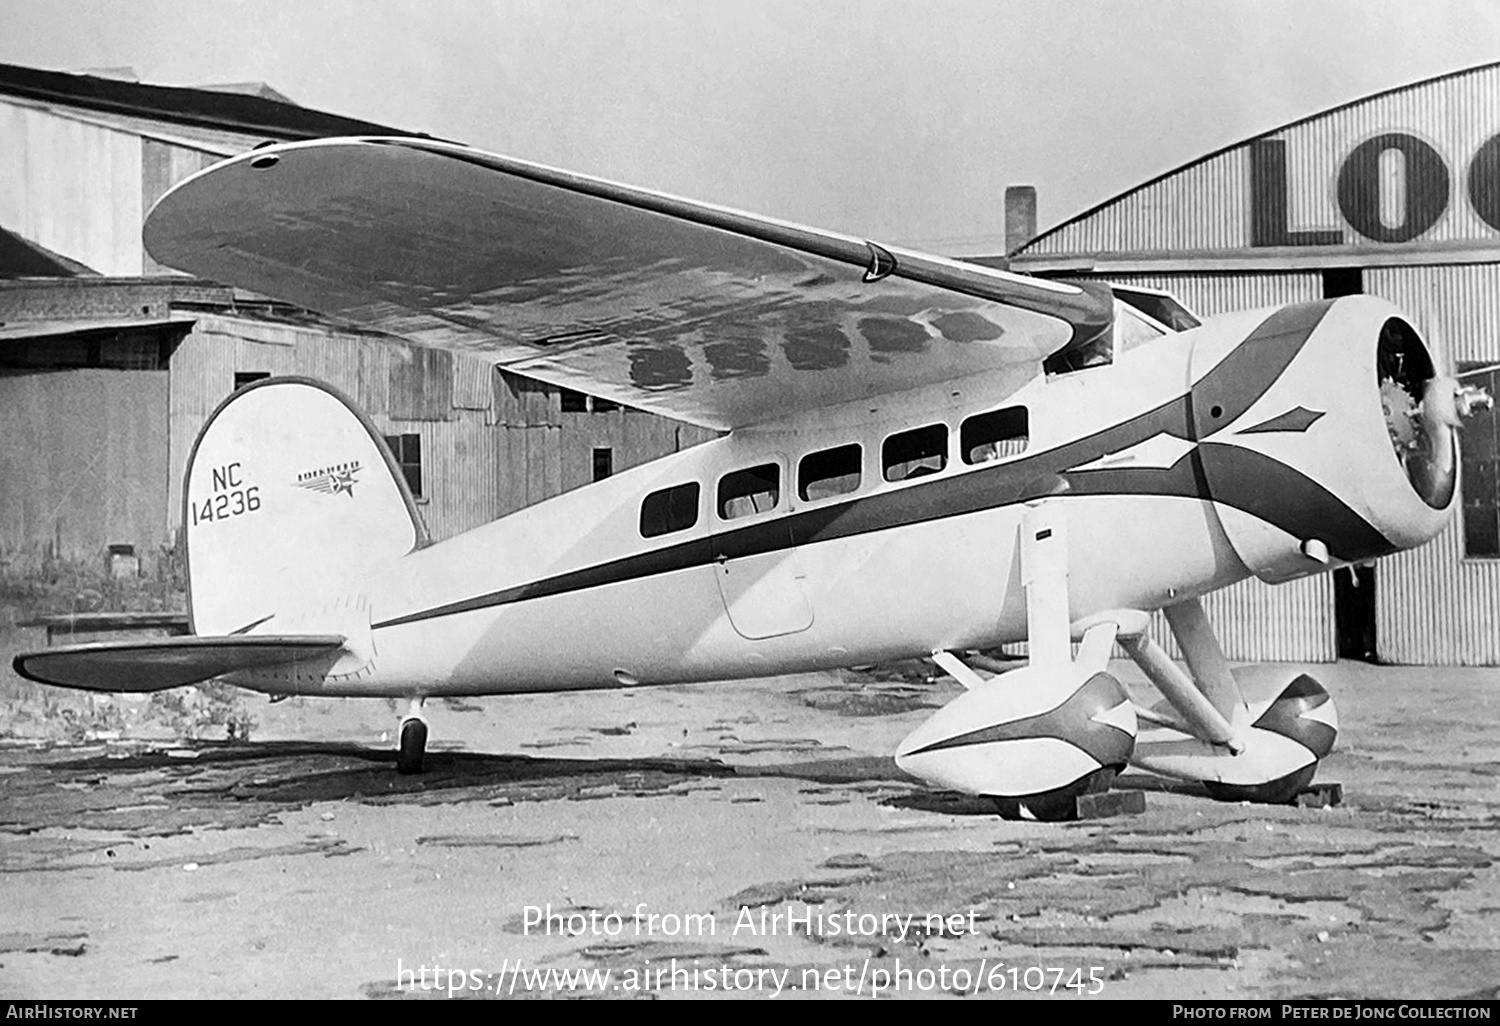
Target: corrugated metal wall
x: 1168, y: 215
x: 84, y: 461
x: 491, y: 443
x: 1211, y: 294
x: 1456, y: 306
x: 1432, y: 604
x: 1208, y: 206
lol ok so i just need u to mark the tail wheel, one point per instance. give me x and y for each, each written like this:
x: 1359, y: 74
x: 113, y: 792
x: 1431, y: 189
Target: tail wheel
x: 1281, y: 791
x: 413, y: 747
x: 1059, y: 804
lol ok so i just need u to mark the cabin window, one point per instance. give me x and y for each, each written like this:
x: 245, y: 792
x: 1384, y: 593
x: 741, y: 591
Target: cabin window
x: 669, y: 510
x: 994, y: 436
x: 745, y: 492
x: 915, y: 453
x: 408, y: 452
x: 822, y: 475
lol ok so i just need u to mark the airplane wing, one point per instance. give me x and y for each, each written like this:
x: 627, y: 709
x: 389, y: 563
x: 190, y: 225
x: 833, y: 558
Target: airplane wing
x: 157, y: 664
x: 692, y: 311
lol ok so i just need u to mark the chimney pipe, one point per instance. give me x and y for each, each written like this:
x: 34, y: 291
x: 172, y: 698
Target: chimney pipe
x: 1020, y: 216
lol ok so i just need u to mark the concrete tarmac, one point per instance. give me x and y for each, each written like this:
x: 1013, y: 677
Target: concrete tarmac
x: 737, y: 839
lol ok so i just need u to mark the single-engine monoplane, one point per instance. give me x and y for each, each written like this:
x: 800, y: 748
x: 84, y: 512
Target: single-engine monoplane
x: 920, y: 457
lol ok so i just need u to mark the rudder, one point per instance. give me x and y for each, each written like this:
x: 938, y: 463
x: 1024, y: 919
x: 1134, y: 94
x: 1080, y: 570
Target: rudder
x: 290, y: 498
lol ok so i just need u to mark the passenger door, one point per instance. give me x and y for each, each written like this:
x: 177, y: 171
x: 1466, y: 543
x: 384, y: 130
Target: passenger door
x: 755, y: 561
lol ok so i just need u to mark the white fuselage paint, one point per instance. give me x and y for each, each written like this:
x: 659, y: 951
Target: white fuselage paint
x: 1291, y: 431
x: 902, y: 591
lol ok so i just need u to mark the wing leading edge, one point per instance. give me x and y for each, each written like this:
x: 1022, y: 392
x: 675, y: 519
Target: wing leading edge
x: 689, y: 310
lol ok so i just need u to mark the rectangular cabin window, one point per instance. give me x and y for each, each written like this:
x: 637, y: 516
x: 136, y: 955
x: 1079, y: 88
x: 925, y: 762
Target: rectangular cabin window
x: 408, y: 452
x: 831, y: 472
x: 604, y: 463
x: 997, y: 435
x: 915, y: 453
x: 746, y: 492
x: 669, y: 510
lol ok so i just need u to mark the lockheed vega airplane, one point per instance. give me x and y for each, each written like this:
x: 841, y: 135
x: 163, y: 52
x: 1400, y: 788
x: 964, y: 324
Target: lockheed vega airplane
x: 921, y: 458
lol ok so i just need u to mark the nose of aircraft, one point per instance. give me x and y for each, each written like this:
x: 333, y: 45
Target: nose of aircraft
x: 1340, y: 442
x: 1424, y: 416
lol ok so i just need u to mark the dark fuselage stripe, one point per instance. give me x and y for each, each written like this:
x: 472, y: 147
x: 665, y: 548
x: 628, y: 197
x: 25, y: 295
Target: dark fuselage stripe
x: 1256, y: 484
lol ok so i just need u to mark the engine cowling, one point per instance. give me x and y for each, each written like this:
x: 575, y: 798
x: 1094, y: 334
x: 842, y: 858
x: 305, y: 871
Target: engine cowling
x: 1326, y: 434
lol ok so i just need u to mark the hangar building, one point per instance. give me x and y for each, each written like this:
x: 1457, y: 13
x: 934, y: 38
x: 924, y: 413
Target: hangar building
x: 109, y: 364
x: 1397, y: 195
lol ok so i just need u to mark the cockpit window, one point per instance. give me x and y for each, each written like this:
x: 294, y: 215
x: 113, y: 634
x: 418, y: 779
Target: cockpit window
x: 1131, y: 329
x: 1141, y: 315
x: 1159, y: 307
x: 1096, y: 352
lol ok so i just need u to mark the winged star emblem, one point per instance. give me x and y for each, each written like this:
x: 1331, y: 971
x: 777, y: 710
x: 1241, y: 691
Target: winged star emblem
x: 334, y: 480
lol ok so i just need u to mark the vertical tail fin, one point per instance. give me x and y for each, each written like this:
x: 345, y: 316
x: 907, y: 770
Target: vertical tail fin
x: 291, y: 498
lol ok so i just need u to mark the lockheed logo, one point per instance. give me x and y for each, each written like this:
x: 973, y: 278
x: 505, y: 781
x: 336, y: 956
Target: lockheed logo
x: 331, y: 480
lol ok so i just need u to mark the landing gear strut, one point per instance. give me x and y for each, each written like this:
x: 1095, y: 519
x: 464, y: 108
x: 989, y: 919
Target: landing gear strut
x: 1036, y: 739
x: 1252, y: 734
x: 413, y: 744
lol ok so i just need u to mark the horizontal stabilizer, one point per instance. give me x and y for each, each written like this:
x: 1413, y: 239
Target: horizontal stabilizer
x: 158, y: 664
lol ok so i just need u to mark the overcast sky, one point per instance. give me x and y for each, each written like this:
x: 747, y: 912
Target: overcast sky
x: 900, y: 121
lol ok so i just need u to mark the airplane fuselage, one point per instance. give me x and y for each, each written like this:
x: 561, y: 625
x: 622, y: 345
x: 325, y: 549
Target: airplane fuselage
x: 777, y: 563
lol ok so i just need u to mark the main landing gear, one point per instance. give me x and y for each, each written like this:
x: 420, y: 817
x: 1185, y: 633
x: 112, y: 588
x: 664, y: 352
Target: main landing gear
x: 1041, y: 739
x: 413, y: 742
x: 1038, y: 739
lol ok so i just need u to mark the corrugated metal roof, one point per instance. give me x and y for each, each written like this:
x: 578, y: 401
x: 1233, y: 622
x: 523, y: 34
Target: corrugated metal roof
x: 16, y: 331
x: 205, y: 108
x: 1207, y: 158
